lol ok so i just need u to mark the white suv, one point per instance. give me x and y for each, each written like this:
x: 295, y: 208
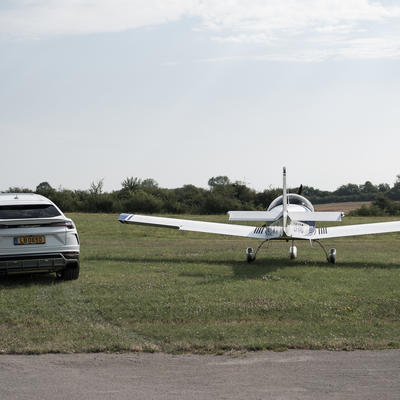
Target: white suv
x: 35, y: 236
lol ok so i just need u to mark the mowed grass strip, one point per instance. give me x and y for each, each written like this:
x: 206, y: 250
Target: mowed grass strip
x: 154, y: 289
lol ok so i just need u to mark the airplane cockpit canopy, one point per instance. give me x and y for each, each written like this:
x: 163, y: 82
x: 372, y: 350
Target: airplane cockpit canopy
x: 292, y: 199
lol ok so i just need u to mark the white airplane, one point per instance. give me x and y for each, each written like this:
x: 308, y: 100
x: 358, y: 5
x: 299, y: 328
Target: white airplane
x: 289, y: 217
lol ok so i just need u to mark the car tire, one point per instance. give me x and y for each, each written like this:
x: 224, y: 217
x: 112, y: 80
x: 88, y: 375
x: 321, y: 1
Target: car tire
x: 70, y: 273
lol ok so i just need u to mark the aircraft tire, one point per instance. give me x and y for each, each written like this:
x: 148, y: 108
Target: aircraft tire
x: 250, y: 256
x: 332, y: 256
x: 293, y: 252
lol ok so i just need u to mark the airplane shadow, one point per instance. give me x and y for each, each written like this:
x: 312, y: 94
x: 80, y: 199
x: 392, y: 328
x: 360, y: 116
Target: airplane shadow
x: 243, y: 270
x: 267, y: 267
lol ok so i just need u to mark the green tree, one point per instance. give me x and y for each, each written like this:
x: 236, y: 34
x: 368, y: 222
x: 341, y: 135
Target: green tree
x: 16, y: 189
x: 348, y: 189
x: 383, y: 188
x: 149, y: 183
x: 45, y: 189
x: 218, y: 181
x: 264, y: 199
x: 140, y: 201
x: 395, y: 191
x: 368, y: 187
x: 96, y: 188
x: 382, y: 202
x: 191, y: 198
x: 131, y: 184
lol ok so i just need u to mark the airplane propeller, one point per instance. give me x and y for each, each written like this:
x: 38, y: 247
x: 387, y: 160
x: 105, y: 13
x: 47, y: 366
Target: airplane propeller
x: 300, y: 190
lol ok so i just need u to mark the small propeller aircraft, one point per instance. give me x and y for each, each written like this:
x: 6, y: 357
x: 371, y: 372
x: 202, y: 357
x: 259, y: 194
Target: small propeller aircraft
x: 289, y: 217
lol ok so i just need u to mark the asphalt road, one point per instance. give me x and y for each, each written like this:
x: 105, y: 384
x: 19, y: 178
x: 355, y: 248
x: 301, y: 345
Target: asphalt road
x: 262, y: 375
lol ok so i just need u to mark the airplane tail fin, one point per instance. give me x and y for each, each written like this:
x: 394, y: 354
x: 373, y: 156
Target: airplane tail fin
x: 284, y: 198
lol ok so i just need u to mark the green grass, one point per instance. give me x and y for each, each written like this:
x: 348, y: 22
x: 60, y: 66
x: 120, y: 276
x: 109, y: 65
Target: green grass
x: 154, y: 289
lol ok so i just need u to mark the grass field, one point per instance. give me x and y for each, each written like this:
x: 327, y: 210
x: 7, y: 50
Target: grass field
x: 154, y: 289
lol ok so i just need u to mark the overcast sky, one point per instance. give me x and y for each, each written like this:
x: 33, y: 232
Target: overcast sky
x: 183, y: 90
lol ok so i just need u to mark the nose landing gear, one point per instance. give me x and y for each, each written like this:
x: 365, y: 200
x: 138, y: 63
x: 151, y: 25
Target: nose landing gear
x: 293, y: 251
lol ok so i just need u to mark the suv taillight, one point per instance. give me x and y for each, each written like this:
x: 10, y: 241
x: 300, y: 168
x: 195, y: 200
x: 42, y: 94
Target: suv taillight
x: 68, y: 224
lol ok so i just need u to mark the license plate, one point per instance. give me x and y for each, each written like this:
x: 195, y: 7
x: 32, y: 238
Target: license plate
x: 23, y: 240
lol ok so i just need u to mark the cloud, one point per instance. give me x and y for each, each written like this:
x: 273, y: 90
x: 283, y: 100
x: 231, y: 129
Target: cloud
x: 307, y: 30
x: 292, y: 15
x: 302, y: 30
x: 260, y: 38
x: 41, y: 18
x: 370, y: 48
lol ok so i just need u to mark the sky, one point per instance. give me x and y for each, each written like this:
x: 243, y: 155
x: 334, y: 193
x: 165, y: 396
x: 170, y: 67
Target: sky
x: 184, y: 90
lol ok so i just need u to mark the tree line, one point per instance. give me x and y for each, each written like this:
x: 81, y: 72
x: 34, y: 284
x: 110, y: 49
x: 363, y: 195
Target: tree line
x: 222, y: 195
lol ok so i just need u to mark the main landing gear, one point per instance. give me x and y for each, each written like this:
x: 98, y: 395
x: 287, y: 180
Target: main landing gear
x: 251, y: 254
x: 330, y: 255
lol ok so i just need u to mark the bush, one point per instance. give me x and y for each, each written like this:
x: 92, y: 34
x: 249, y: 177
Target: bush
x: 380, y: 207
x: 140, y: 201
x: 137, y: 195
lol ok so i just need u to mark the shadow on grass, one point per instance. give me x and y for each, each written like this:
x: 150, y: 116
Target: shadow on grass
x: 270, y: 268
x: 28, y: 280
x: 174, y: 260
x: 242, y: 269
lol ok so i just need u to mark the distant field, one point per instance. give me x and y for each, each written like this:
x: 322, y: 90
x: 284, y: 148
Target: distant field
x: 345, y: 207
x: 153, y: 289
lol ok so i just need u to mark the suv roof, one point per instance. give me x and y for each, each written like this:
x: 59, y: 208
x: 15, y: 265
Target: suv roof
x: 22, y: 198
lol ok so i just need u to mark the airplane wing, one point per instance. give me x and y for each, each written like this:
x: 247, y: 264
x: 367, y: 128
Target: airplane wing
x: 351, y: 230
x: 257, y: 232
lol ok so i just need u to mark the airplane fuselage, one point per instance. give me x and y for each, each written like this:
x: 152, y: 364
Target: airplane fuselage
x: 295, y: 204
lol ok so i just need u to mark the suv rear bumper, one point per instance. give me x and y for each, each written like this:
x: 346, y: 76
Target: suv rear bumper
x: 45, y: 262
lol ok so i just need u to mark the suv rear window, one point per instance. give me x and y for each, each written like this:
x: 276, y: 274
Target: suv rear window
x: 28, y: 211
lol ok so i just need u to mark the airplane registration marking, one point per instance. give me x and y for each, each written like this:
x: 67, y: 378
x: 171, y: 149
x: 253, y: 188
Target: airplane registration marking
x: 323, y: 231
x: 298, y: 227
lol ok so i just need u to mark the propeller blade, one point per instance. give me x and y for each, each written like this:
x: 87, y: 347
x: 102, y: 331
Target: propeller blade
x: 300, y: 189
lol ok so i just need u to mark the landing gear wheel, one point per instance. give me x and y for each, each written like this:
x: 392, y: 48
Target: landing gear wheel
x: 293, y: 252
x: 250, y: 255
x: 332, y: 256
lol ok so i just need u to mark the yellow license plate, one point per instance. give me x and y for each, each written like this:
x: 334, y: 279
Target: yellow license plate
x: 23, y: 240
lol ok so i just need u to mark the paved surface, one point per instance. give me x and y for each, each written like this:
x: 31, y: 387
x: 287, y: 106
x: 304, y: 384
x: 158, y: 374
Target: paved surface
x: 262, y: 375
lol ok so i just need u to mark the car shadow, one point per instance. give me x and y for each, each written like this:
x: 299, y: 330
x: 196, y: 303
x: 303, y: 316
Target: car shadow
x: 45, y: 279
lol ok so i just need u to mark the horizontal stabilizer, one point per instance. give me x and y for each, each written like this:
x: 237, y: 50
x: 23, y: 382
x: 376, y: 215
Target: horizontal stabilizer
x: 326, y: 216
x: 263, y: 216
